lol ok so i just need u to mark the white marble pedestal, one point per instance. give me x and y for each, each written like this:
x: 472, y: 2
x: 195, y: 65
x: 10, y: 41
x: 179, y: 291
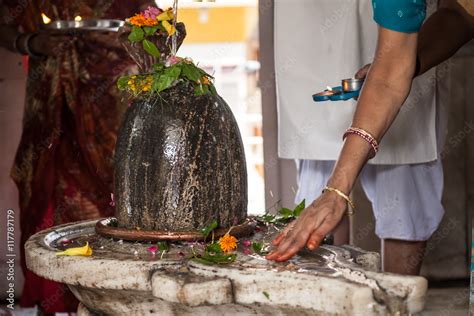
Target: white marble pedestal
x: 124, y: 279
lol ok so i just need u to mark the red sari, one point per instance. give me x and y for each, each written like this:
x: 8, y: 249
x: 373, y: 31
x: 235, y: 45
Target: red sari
x: 63, y: 166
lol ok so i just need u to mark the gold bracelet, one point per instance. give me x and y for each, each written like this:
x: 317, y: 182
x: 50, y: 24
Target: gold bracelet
x: 344, y: 196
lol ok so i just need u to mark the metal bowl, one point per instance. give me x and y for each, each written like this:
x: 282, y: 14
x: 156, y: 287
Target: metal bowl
x: 352, y: 84
x: 84, y: 25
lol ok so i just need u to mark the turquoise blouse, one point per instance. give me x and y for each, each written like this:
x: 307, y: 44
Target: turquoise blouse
x: 404, y: 16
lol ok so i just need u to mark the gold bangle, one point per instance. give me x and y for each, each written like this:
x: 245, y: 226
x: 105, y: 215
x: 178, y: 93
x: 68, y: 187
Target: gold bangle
x: 344, y: 196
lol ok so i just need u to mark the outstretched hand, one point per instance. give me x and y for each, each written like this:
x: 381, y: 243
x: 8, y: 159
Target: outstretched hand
x: 314, y: 223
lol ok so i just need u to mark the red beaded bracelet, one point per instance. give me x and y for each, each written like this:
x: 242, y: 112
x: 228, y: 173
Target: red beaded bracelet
x: 365, y: 136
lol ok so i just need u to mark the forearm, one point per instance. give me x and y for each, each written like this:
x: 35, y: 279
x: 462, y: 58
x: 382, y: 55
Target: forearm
x: 385, y: 90
x: 440, y: 37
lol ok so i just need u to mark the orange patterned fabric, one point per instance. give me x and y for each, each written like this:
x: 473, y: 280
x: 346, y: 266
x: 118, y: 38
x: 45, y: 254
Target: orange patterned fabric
x: 63, y: 166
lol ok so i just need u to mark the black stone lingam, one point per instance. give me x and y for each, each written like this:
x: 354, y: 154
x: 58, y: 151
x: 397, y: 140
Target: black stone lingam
x: 179, y: 163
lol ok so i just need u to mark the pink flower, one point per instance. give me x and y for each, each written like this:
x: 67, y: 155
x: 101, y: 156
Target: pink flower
x: 247, y: 243
x: 172, y: 60
x: 247, y: 251
x: 152, y: 12
x: 152, y: 249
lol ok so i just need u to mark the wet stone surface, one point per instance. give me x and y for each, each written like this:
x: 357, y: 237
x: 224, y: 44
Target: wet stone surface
x: 338, y: 280
x: 179, y: 163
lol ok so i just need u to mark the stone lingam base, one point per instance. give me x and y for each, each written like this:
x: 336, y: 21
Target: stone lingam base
x: 124, y: 278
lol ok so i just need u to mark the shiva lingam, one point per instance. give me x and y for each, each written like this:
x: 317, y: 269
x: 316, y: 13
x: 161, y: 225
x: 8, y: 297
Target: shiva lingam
x: 180, y: 176
x: 179, y: 158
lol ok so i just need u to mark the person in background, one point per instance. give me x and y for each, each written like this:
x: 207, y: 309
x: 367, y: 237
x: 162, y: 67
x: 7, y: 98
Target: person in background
x: 63, y: 166
x: 405, y: 49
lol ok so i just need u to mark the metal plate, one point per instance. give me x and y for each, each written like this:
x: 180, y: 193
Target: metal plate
x: 340, y: 96
x: 84, y: 26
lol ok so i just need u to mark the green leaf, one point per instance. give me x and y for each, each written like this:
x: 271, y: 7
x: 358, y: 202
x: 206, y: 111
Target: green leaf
x: 299, y: 208
x: 266, y: 294
x: 209, y: 228
x: 151, y: 48
x: 286, y: 212
x: 137, y: 34
x: 212, y: 89
x: 158, y: 67
x: 219, y: 258
x: 201, y: 89
x: 191, y: 72
x: 166, y: 79
x: 257, y: 247
x: 150, y: 30
x: 122, y: 82
x: 163, y: 246
x: 214, y: 247
x: 267, y: 218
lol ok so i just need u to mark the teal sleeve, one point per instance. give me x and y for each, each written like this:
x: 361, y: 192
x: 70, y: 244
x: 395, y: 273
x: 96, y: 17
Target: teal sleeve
x: 404, y: 16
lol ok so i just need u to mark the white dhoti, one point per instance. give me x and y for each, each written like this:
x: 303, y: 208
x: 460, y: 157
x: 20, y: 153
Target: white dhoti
x: 329, y: 41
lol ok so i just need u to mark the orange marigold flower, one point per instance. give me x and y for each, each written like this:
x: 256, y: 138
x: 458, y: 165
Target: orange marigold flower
x: 228, y: 243
x: 140, y: 20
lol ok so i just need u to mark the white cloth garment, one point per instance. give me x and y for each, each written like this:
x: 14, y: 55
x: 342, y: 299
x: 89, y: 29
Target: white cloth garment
x: 406, y: 199
x: 318, y: 43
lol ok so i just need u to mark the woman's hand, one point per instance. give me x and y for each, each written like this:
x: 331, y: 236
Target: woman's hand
x: 314, y: 223
x: 362, y: 72
x: 49, y: 44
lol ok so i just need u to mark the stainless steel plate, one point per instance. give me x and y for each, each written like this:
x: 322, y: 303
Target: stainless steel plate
x: 84, y: 26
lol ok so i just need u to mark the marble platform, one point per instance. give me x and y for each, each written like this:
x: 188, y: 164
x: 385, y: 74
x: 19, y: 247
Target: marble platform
x: 123, y: 278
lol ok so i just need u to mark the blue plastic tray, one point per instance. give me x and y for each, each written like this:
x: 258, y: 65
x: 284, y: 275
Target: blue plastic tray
x: 336, y: 97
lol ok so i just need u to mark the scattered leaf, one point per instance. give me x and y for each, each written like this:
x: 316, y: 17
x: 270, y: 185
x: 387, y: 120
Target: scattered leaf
x: 209, y: 228
x: 266, y: 294
x: 299, y: 208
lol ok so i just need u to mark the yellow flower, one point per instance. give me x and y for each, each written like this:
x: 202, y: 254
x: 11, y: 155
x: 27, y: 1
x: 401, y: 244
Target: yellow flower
x: 78, y: 251
x: 228, y: 243
x: 168, y: 27
x: 165, y: 15
x: 205, y: 80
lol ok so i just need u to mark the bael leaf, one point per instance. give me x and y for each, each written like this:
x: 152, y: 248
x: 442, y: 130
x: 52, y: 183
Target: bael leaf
x: 167, y: 78
x: 286, y: 212
x: 158, y: 67
x: 299, y: 208
x: 214, y: 247
x: 122, y: 82
x: 190, y: 71
x: 150, y: 30
x: 219, y: 258
x: 151, y: 48
x: 209, y: 228
x: 267, y: 218
x: 137, y: 34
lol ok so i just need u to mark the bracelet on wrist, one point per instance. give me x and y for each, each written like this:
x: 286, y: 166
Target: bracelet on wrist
x: 365, y: 136
x: 29, y: 51
x: 351, y: 210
